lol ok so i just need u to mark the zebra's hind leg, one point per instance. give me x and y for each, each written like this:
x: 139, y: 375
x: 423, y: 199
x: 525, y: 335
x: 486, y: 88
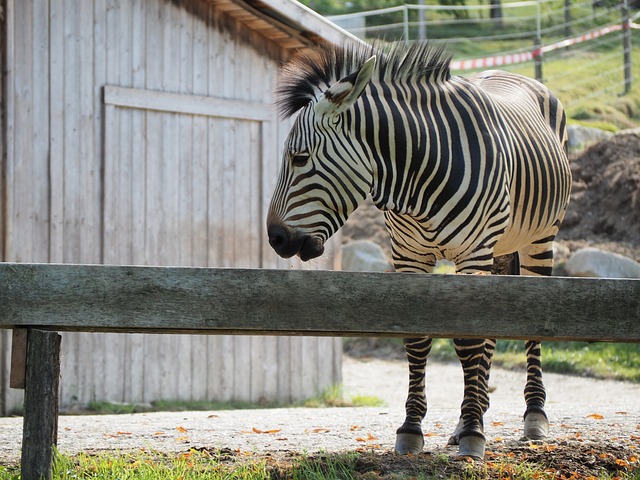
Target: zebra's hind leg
x: 537, y: 259
x: 536, y: 423
x: 469, y: 434
x: 409, y: 437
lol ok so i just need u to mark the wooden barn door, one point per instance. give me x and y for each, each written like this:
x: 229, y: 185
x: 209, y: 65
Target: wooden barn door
x: 183, y: 186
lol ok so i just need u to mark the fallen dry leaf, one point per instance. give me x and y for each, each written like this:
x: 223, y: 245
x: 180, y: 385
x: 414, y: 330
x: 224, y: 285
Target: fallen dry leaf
x: 273, y: 430
x: 181, y: 429
x: 595, y: 416
x: 320, y: 430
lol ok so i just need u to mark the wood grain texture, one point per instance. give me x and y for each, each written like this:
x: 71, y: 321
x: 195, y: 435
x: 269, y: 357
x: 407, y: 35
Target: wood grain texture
x: 40, y: 431
x: 260, y: 302
x: 18, y: 376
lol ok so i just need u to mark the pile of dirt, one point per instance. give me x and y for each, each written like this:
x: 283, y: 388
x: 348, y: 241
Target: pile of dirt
x: 605, y: 201
x: 604, y: 211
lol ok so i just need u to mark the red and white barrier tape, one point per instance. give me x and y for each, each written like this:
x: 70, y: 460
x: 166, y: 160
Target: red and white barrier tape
x: 491, y: 61
x: 514, y: 58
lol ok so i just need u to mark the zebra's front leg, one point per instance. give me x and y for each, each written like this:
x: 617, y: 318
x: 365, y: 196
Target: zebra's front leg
x: 485, y: 366
x: 469, y: 433
x: 409, y: 437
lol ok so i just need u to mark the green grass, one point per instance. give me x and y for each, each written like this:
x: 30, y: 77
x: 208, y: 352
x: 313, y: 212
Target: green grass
x: 108, y: 408
x: 332, y: 396
x: 589, y: 82
x: 228, y: 465
x: 619, y: 361
x: 151, y: 466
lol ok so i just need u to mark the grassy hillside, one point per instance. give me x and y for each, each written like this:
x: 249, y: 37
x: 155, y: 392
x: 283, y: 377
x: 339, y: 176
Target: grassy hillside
x: 589, y: 81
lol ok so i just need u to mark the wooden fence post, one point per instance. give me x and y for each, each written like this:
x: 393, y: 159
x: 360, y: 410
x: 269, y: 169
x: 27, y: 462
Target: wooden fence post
x: 40, y: 430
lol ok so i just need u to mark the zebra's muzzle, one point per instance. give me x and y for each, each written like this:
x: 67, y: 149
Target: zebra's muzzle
x: 288, y: 243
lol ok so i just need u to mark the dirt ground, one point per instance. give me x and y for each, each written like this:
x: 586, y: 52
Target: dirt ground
x: 595, y: 427
x: 604, y: 211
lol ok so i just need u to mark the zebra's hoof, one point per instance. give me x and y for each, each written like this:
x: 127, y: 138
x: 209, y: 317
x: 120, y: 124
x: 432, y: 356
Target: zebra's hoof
x: 409, y: 443
x: 536, y: 426
x: 454, y: 439
x: 471, y: 446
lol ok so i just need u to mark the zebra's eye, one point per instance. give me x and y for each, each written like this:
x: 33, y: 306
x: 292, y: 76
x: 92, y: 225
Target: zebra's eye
x: 299, y: 159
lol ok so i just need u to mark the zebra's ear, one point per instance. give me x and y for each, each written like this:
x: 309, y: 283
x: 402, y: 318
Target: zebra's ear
x: 342, y: 94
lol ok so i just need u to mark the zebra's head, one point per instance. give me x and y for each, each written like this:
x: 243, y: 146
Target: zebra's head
x: 324, y: 174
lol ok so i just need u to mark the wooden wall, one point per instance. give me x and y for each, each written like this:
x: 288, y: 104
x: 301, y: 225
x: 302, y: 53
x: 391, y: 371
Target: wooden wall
x: 4, y: 352
x: 142, y: 132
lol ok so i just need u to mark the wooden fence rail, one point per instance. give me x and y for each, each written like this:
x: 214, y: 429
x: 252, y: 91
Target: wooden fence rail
x: 39, y: 300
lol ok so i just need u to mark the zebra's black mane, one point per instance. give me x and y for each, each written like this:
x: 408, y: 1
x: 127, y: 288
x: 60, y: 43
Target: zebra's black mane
x: 308, y: 74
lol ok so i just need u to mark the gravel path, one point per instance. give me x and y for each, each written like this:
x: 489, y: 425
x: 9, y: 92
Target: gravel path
x: 577, y: 407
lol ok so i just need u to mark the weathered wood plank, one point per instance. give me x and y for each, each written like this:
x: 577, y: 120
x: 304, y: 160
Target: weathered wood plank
x: 158, y: 100
x: 18, y: 376
x: 40, y: 431
x: 244, y: 301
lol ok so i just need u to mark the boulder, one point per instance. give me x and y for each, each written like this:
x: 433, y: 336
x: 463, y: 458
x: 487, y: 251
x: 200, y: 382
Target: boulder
x: 364, y: 256
x: 593, y: 262
x: 581, y: 136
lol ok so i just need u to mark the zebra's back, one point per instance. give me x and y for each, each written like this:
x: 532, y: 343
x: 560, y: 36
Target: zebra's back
x: 541, y: 177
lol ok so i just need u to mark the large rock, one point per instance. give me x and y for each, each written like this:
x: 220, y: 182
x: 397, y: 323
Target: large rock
x: 364, y: 256
x: 593, y: 262
x: 581, y: 136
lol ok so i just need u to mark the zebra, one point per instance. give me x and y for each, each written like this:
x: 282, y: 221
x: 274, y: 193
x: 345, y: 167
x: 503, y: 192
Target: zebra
x: 464, y: 170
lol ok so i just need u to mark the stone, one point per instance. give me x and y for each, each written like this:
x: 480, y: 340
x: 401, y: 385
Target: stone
x: 581, y: 136
x: 594, y: 262
x: 364, y: 256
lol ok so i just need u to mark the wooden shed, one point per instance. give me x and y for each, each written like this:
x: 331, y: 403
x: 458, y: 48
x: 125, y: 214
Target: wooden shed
x: 142, y: 132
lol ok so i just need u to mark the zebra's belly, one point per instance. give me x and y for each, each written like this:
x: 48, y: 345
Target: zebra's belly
x: 515, y: 238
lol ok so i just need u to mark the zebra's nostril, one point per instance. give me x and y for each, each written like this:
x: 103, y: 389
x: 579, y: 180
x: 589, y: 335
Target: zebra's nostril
x: 278, y: 237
